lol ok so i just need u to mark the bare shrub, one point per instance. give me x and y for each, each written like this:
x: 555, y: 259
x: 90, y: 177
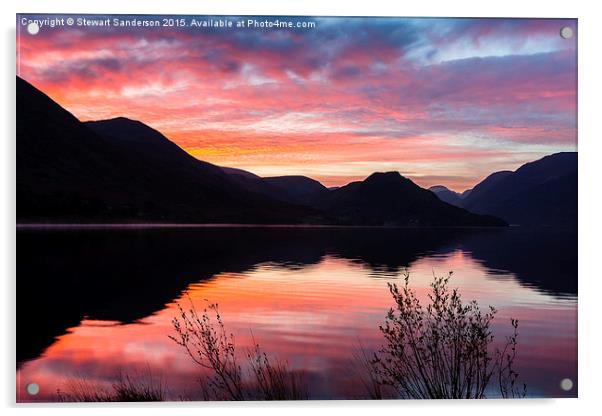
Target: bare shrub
x: 207, y: 342
x: 211, y: 347
x: 444, y: 350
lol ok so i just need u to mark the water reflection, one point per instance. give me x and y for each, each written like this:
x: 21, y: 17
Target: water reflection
x: 307, y: 294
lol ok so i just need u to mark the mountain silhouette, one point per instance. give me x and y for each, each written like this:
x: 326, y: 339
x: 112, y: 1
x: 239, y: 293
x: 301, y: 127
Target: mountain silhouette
x: 391, y: 199
x: 122, y: 170
x: 543, y: 192
x: 483, y: 187
x: 240, y: 172
x: 447, y: 195
x: 298, y: 189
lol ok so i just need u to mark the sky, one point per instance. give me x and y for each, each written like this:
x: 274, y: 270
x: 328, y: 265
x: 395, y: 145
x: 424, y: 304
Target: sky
x: 442, y: 101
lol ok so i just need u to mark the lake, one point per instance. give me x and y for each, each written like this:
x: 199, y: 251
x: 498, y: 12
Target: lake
x: 94, y: 303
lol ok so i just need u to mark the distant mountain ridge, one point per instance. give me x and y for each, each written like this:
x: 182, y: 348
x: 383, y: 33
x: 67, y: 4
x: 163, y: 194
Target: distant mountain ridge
x: 391, y: 199
x: 294, y: 189
x: 486, y: 185
x: 447, y: 195
x: 416, y: 207
x: 121, y: 170
x: 543, y: 192
x: 298, y: 189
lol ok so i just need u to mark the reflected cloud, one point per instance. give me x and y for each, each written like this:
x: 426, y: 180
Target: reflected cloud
x: 307, y: 294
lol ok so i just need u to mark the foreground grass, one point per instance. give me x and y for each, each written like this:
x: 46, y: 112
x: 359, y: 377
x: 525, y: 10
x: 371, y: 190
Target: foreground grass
x: 125, y: 389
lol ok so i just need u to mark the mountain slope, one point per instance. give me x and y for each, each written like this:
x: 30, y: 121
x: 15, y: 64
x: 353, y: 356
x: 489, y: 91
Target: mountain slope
x: 295, y: 189
x: 483, y: 187
x: 239, y: 172
x: 447, y: 195
x: 298, y: 189
x: 390, y: 199
x: 543, y: 192
x: 122, y: 170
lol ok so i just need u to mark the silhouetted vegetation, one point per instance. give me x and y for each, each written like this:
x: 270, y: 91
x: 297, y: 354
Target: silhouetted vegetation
x: 273, y: 380
x: 363, y: 369
x: 443, y: 351
x: 125, y: 389
x: 207, y: 342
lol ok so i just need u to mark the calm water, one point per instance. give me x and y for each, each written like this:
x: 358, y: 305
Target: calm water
x: 94, y: 303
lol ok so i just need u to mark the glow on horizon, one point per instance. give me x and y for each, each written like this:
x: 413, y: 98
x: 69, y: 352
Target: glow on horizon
x: 443, y: 101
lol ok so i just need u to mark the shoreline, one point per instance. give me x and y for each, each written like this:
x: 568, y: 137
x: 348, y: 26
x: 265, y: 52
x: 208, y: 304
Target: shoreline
x: 37, y: 226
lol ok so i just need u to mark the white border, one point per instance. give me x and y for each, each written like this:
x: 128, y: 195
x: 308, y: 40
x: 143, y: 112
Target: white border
x: 590, y: 287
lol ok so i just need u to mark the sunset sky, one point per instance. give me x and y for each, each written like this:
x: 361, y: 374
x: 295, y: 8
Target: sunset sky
x: 443, y: 101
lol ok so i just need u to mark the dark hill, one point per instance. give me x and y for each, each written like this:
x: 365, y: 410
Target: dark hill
x: 122, y: 170
x: 485, y: 186
x: 147, y: 146
x: 447, y: 195
x: 543, y: 192
x: 391, y: 199
x: 298, y: 189
x: 239, y: 172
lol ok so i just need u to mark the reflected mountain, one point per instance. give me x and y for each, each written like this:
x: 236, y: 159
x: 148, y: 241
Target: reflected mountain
x: 127, y: 274
x: 542, y: 259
